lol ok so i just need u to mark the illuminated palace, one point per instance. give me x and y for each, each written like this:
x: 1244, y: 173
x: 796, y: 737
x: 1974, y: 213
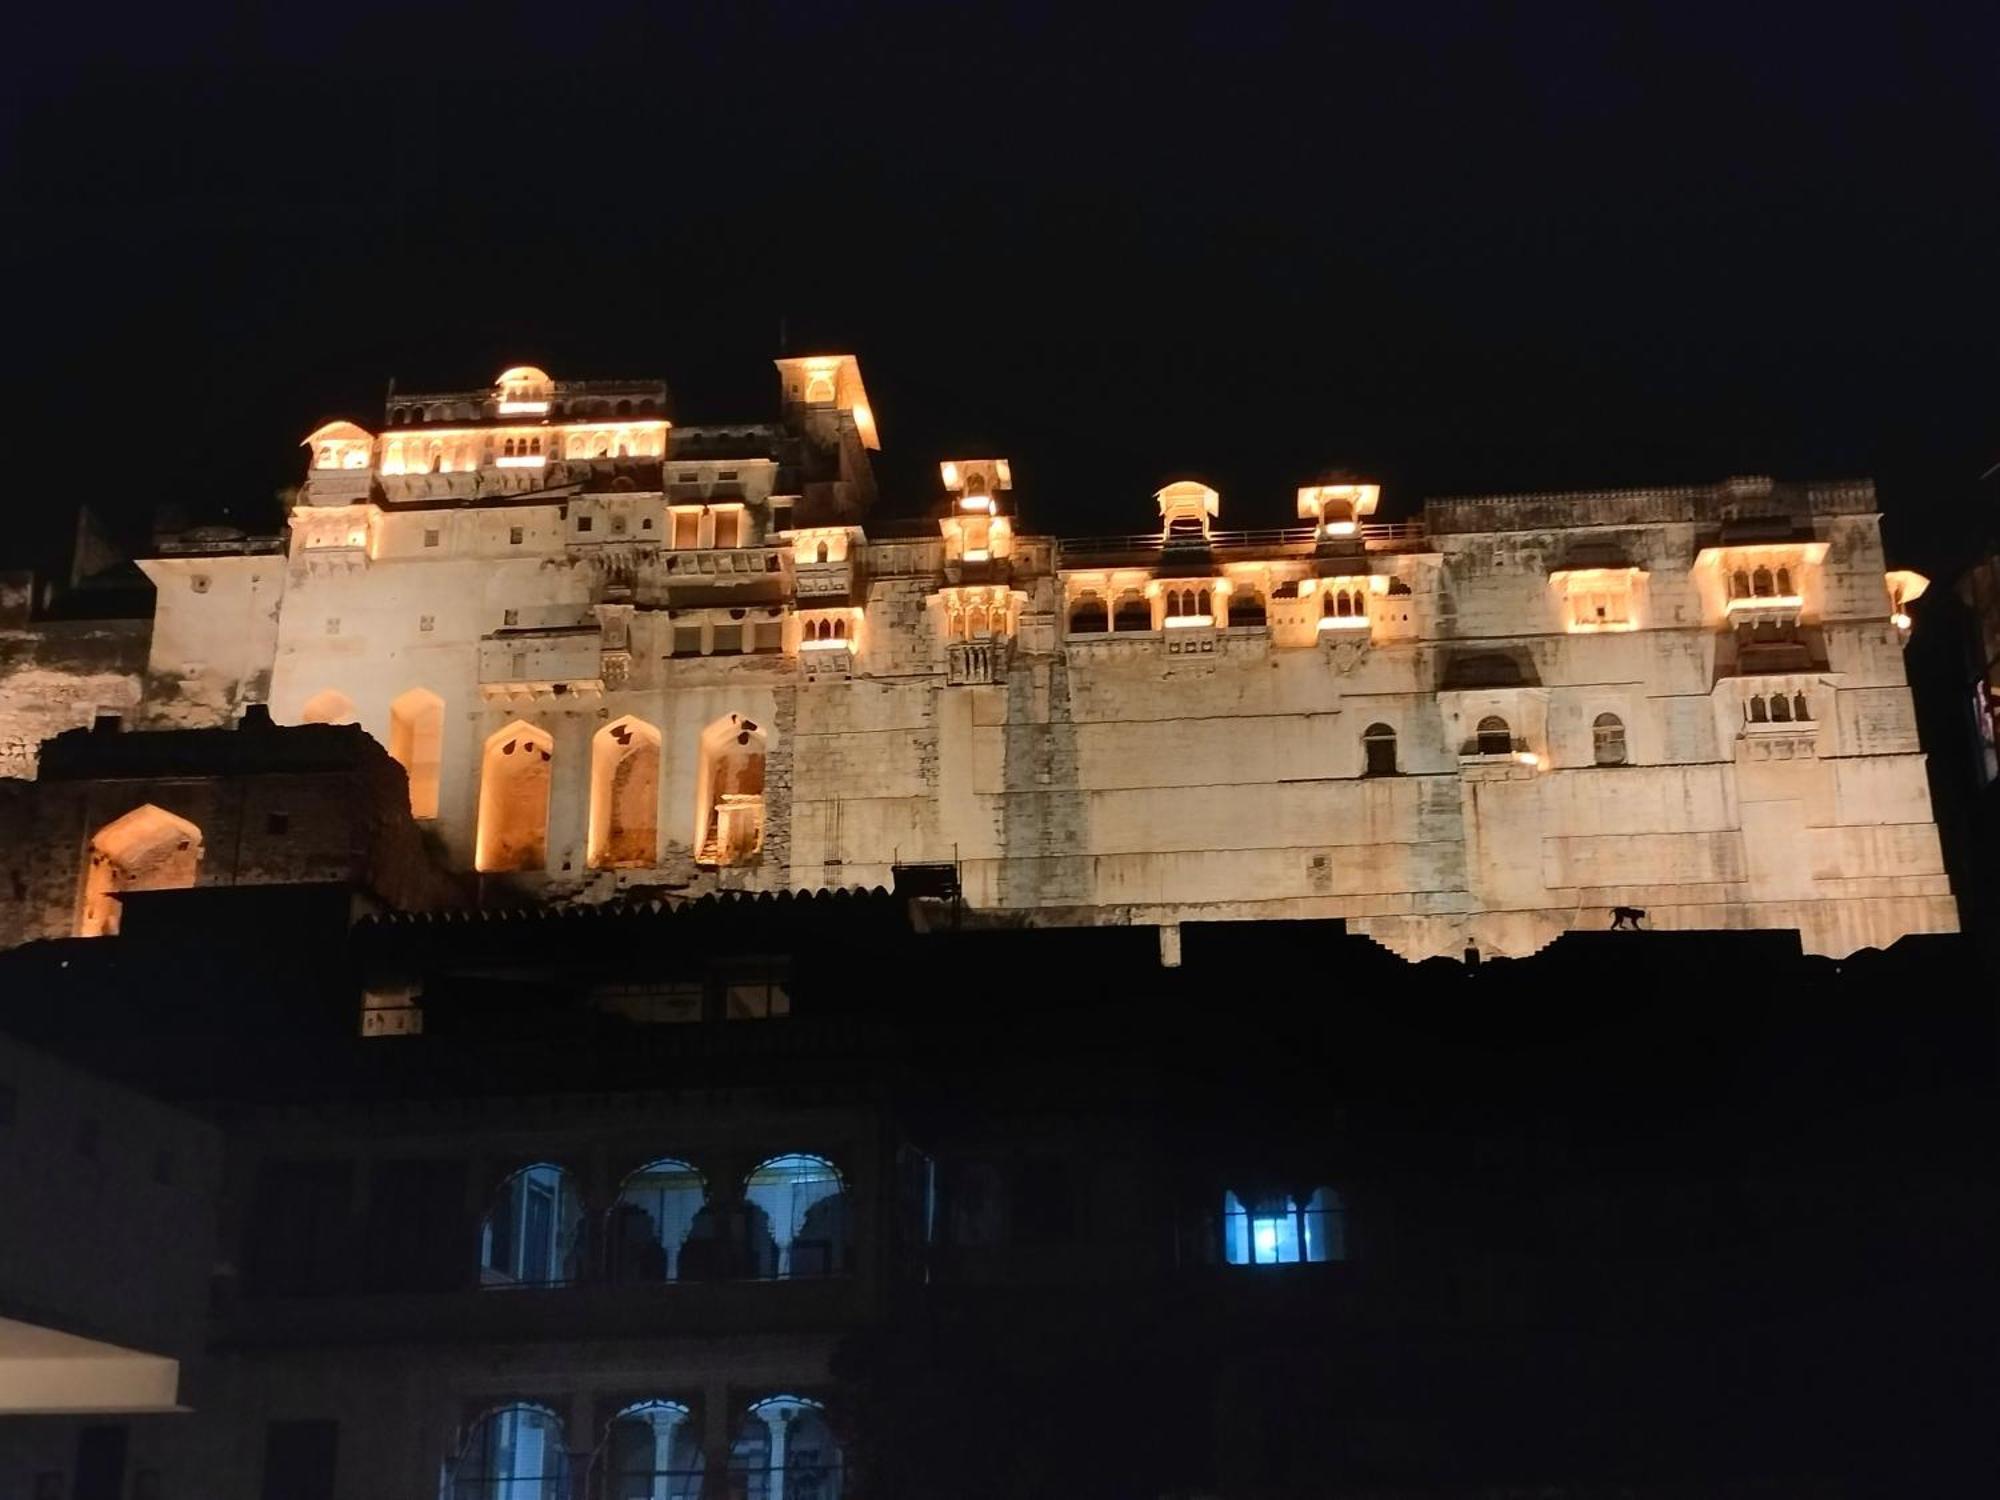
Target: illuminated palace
x: 617, y: 655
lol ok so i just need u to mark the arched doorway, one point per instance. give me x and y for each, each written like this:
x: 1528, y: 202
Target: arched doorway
x: 514, y: 781
x: 330, y: 706
x: 625, y: 795
x: 148, y: 849
x: 729, y: 827
x: 416, y: 741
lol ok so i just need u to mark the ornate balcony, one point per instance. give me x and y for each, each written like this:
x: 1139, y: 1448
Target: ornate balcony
x: 977, y: 663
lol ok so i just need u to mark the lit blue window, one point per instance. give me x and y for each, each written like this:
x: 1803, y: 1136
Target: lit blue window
x: 652, y: 1452
x: 514, y: 1453
x: 1277, y: 1229
x: 650, y: 1222
x: 785, y: 1451
x: 803, y: 1203
x: 529, y: 1235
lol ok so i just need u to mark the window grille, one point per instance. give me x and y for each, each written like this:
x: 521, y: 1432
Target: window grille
x: 1278, y: 1229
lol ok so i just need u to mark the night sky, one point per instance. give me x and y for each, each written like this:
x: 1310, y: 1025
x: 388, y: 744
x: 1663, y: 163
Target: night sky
x: 1456, y: 248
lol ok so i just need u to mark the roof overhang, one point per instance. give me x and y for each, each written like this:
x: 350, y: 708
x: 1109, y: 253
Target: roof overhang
x: 47, y: 1372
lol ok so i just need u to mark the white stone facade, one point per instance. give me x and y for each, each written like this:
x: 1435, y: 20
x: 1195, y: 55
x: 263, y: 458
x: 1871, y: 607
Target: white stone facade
x: 1687, y: 701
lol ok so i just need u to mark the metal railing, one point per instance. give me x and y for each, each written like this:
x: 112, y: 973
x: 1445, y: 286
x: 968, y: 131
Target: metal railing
x: 1272, y: 536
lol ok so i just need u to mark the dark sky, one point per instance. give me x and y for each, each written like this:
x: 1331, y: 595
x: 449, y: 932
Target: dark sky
x: 1456, y: 247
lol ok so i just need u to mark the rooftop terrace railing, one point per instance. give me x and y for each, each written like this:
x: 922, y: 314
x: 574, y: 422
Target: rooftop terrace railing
x: 1274, y: 536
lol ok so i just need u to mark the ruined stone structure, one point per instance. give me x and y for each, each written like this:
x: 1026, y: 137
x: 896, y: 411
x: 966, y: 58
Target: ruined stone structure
x: 619, y: 655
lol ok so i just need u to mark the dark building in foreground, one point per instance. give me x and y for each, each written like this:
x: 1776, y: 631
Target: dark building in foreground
x: 837, y: 1195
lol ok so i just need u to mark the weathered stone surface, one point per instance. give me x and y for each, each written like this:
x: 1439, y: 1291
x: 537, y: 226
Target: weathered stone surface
x: 1169, y: 769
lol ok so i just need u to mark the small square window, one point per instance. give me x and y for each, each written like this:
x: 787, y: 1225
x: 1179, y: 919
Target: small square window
x: 583, y: 523
x: 675, y: 1003
x: 756, y: 1000
x: 432, y: 536
x: 427, y: 623
x: 687, y: 640
x: 511, y: 617
x: 514, y: 536
x: 646, y: 523
x: 728, y: 641
x: 333, y: 627
x: 277, y: 823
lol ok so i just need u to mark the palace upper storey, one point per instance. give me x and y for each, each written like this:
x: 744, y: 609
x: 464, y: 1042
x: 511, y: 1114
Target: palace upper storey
x: 617, y: 655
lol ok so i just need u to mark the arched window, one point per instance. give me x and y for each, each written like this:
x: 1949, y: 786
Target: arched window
x: 1757, y: 712
x: 416, y: 741
x: 1801, y: 709
x: 514, y: 780
x: 1739, y: 584
x: 1280, y: 1229
x: 1246, y: 607
x: 1088, y: 615
x: 976, y: 623
x: 1761, y: 584
x: 730, y: 793
x: 148, y: 849
x: 785, y: 1451
x: 650, y: 1222
x: 652, y: 1451
x: 529, y: 1235
x: 819, y: 553
x: 515, y: 1453
x: 1378, y: 750
x: 329, y: 707
x: 1133, y: 612
x: 625, y: 795
x: 1785, y: 582
x: 1495, y: 738
x: 1607, y: 735
x: 1781, y: 709
x: 805, y: 1202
